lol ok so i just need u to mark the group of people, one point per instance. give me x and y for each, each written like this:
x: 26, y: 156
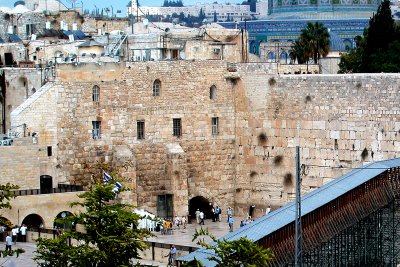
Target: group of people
x: 246, y: 221
x: 16, y: 233
x: 216, y: 216
x: 166, y: 225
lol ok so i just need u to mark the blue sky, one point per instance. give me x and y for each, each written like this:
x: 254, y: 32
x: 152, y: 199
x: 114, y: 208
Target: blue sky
x: 120, y: 4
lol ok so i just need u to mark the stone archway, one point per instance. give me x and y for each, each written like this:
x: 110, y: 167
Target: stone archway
x: 33, y: 221
x: 201, y: 203
x: 63, y: 225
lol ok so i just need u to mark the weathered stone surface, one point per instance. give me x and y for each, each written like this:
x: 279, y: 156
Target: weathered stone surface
x: 328, y: 116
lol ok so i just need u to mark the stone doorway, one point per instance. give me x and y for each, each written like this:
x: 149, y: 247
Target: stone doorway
x: 33, y: 221
x: 202, y: 204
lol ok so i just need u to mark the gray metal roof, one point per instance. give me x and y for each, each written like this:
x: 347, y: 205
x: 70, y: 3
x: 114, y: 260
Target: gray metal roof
x: 285, y: 215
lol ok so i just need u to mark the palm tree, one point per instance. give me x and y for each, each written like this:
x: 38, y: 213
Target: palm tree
x: 317, y: 37
x: 313, y: 42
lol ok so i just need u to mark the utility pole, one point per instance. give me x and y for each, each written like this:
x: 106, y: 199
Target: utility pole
x: 298, y: 257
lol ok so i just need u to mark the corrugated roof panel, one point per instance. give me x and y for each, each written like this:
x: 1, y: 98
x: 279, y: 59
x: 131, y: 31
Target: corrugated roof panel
x: 13, y: 38
x: 310, y: 202
x: 79, y: 35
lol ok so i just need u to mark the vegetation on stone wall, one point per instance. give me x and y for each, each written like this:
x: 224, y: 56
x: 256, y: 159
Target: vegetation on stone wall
x: 378, y: 50
x: 239, y: 252
x: 108, y: 234
x: 313, y: 43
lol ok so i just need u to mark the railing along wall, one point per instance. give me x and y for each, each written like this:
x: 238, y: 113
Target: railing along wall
x: 329, y: 220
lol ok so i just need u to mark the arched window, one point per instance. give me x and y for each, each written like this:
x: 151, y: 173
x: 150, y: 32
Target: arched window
x: 213, y: 92
x: 284, y: 57
x: 96, y: 94
x: 156, y: 87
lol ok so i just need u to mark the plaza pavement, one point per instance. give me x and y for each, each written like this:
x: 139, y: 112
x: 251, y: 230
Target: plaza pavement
x: 178, y: 237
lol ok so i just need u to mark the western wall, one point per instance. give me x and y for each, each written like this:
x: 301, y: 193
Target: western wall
x: 339, y: 121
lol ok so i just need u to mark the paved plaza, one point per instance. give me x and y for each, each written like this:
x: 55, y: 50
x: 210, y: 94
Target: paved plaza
x: 178, y: 237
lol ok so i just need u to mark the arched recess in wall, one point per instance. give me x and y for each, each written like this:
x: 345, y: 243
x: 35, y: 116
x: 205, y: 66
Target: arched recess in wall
x: 213, y: 92
x: 63, y: 225
x: 157, y: 87
x: 23, y: 83
x: 201, y: 203
x: 284, y: 58
x: 271, y: 57
x: 348, y: 44
x: 33, y: 221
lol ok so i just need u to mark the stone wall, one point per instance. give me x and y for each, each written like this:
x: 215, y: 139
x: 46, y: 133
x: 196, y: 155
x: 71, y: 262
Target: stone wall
x: 21, y: 83
x: 20, y: 165
x: 339, y: 121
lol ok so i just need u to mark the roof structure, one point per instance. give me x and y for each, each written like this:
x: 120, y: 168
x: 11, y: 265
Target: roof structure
x: 285, y: 215
x: 90, y: 43
x: 13, y: 38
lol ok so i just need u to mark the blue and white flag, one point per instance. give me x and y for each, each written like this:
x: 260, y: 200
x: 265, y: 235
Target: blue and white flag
x: 106, y: 177
x: 117, y: 187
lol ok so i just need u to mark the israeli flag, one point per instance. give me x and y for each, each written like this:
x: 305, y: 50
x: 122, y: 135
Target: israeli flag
x: 106, y: 177
x: 117, y: 187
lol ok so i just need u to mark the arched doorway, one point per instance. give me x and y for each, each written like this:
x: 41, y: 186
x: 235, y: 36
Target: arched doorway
x: 202, y: 204
x: 33, y: 221
x: 63, y: 225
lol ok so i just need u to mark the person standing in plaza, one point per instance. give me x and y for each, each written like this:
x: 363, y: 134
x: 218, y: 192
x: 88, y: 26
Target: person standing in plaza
x: 229, y: 211
x: 9, y: 242
x: 183, y: 222
x: 201, y: 217
x: 198, y: 216
x: 230, y: 222
x: 15, y: 232
x: 23, y: 232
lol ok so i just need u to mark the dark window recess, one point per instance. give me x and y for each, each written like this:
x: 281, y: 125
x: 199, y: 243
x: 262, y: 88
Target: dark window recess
x: 46, y: 184
x: 140, y: 129
x: 49, y: 151
x: 177, y: 127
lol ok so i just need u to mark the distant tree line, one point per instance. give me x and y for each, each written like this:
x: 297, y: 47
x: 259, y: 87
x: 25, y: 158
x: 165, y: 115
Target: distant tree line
x: 172, y: 3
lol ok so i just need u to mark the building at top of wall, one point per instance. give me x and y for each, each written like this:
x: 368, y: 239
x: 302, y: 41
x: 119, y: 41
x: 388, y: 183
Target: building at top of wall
x: 285, y: 20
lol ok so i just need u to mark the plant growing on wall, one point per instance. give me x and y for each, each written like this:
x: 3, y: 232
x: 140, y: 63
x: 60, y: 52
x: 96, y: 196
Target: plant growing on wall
x: 108, y: 235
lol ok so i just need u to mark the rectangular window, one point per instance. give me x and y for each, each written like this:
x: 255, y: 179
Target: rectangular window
x: 49, y: 151
x: 177, y: 127
x: 96, y: 130
x: 140, y: 129
x: 214, y: 125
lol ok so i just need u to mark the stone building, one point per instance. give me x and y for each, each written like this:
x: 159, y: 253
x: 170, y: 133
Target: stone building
x: 186, y: 134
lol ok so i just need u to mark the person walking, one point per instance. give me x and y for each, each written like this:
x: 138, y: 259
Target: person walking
x: 9, y: 242
x: 183, y: 222
x: 201, y: 217
x: 230, y: 222
x: 172, y: 256
x: 15, y: 232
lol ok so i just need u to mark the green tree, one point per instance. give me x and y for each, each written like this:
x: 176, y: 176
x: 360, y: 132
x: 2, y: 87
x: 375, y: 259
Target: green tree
x: 6, y: 194
x: 240, y: 252
x: 378, y: 49
x: 316, y: 35
x: 109, y: 237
